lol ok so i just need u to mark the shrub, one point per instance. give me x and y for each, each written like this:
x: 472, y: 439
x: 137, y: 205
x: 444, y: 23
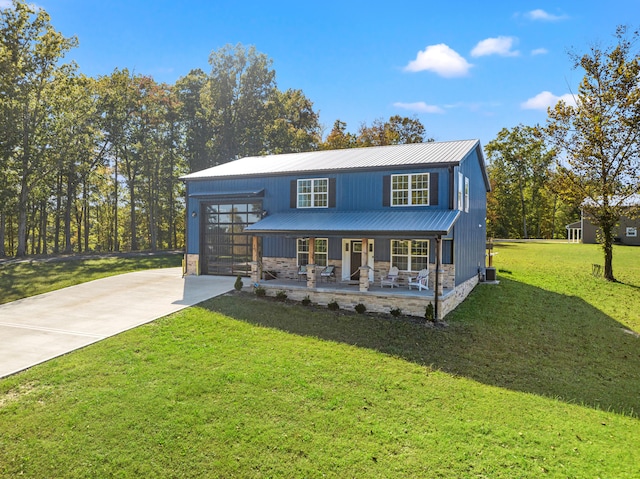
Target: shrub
x: 281, y: 295
x: 396, y: 312
x: 260, y: 291
x: 360, y: 308
x: 428, y: 313
x: 306, y: 301
x: 333, y: 305
x: 238, y: 284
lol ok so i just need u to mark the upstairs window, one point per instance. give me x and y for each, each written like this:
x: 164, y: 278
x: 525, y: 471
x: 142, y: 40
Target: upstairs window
x: 632, y: 232
x: 410, y: 189
x: 313, y: 193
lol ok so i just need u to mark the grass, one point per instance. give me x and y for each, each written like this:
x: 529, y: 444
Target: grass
x: 534, y: 377
x: 31, y: 277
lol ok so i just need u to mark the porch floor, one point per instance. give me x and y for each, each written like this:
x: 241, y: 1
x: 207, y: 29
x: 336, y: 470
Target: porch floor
x: 375, y: 289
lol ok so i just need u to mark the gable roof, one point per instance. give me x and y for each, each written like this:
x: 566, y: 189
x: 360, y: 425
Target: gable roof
x: 413, y: 154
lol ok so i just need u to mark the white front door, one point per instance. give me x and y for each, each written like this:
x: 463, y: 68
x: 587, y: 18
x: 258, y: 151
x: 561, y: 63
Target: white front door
x: 351, y: 258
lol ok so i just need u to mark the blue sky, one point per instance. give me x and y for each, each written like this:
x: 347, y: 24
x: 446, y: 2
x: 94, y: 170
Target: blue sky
x: 466, y: 69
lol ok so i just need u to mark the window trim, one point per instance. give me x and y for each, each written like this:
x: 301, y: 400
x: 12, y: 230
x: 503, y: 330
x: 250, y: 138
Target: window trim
x: 409, y: 254
x: 631, y: 232
x: 460, y: 191
x: 426, y: 191
x: 466, y: 194
x: 313, y: 194
x: 299, y: 252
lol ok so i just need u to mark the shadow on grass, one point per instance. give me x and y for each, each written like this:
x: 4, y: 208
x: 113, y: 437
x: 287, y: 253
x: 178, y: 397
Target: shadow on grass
x: 510, y: 335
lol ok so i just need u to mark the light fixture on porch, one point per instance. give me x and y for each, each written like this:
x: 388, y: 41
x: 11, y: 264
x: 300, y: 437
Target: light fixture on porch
x: 264, y: 213
x: 194, y: 213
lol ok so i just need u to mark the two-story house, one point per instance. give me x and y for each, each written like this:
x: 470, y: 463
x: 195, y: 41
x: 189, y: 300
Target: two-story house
x: 362, y: 211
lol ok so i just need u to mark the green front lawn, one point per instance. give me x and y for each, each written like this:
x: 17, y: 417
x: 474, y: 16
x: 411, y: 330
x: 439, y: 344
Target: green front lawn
x: 31, y: 277
x: 534, y: 377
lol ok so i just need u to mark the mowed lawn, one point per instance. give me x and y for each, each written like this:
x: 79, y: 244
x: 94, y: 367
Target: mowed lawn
x: 36, y: 276
x: 538, y: 376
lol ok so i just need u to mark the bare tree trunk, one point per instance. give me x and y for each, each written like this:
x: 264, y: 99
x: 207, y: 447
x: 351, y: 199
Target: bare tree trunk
x: 3, y: 226
x: 21, y: 250
x: 43, y: 226
x: 116, y: 246
x: 85, y: 212
x: 68, y: 248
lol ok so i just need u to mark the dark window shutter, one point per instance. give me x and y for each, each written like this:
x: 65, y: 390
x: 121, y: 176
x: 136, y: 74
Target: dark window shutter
x: 433, y: 189
x: 332, y: 192
x: 386, y: 190
x: 294, y: 194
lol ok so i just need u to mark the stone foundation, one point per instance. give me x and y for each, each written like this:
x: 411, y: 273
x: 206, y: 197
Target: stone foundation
x: 375, y: 301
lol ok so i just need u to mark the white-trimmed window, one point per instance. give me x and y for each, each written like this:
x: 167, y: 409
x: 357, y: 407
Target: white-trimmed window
x: 632, y: 232
x: 466, y: 194
x: 313, y: 193
x: 410, y: 190
x: 321, y: 252
x: 410, y: 255
x: 460, y: 191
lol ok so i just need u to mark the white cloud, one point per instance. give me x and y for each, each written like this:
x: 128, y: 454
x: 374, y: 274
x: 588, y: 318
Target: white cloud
x: 546, y: 99
x: 539, y: 51
x: 419, y: 106
x: 495, y: 46
x: 440, y: 59
x: 6, y: 4
x: 541, y: 15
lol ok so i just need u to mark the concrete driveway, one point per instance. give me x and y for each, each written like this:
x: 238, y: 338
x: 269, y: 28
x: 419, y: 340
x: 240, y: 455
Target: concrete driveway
x: 36, y: 329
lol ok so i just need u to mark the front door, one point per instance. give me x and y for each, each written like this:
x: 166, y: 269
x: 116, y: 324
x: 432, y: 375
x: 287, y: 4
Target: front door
x: 356, y: 259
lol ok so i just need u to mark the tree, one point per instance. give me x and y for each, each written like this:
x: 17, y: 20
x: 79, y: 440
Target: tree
x: 30, y: 51
x: 520, y: 159
x: 398, y: 130
x: 197, y: 129
x: 600, y: 136
x: 240, y: 88
x: 339, y: 138
x: 293, y: 125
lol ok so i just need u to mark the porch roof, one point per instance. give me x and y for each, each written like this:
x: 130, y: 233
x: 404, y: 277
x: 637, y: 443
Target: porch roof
x: 414, y: 223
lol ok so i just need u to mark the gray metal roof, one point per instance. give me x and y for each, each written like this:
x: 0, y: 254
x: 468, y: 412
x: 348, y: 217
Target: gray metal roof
x: 366, y: 222
x: 352, y: 158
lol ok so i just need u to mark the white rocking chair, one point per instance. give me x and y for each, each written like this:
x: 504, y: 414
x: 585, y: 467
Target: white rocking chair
x: 391, y: 279
x: 421, y: 281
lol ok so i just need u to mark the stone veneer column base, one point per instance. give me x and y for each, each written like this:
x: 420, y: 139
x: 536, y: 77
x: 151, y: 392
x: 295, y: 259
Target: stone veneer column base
x: 192, y: 264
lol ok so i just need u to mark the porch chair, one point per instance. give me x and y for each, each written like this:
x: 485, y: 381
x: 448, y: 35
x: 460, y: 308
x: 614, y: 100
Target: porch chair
x: 390, y: 279
x: 421, y: 281
x: 302, y: 272
x: 328, y: 273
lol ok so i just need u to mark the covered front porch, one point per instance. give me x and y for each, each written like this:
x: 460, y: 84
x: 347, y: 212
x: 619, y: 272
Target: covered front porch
x: 356, y: 271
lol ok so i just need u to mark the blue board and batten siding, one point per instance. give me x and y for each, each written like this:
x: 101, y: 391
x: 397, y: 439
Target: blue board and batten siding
x: 470, y: 234
x: 355, y: 191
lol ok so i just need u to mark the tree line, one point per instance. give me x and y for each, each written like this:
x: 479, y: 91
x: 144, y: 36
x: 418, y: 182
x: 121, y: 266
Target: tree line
x: 585, y: 158
x: 94, y: 164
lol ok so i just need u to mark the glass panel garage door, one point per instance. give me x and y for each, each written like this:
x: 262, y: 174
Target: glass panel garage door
x: 227, y: 248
